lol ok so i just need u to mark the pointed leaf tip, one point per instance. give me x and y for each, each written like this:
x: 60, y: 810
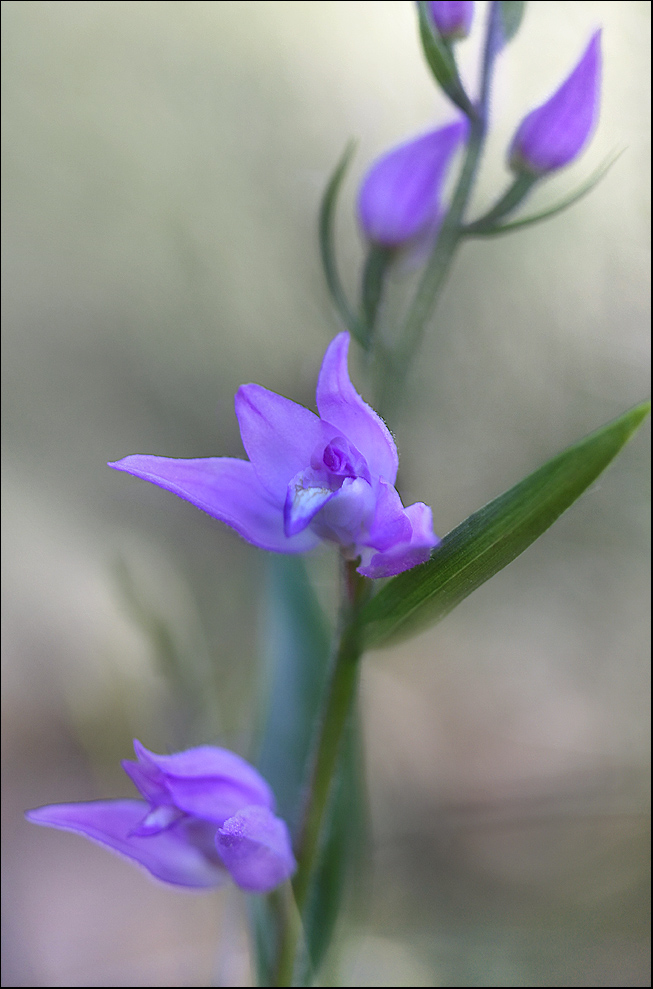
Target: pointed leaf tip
x: 493, y: 537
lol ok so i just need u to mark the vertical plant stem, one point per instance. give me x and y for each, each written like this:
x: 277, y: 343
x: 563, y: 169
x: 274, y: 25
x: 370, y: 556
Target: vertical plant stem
x: 337, y: 708
x: 393, y: 363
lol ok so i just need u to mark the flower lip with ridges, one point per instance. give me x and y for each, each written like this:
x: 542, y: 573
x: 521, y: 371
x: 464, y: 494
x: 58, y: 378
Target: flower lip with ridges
x: 553, y: 134
x: 191, y: 799
x: 310, y: 478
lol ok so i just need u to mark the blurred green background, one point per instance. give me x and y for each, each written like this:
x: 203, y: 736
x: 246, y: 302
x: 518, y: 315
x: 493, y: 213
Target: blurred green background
x: 162, y: 168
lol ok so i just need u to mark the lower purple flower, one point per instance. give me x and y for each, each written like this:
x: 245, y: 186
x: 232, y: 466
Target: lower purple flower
x: 309, y: 478
x: 207, y: 816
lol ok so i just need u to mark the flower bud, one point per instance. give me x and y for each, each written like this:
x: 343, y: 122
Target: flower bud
x: 400, y: 195
x: 556, y: 132
x: 452, y: 19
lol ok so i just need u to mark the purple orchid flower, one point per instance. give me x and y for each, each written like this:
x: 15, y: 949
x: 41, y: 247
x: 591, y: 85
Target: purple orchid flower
x: 309, y: 478
x: 399, y: 199
x: 552, y: 135
x: 452, y: 18
x: 207, y: 815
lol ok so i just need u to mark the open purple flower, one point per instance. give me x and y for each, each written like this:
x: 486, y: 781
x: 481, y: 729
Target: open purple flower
x: 452, y: 18
x: 309, y: 478
x: 399, y: 199
x: 206, y: 815
x: 555, y: 133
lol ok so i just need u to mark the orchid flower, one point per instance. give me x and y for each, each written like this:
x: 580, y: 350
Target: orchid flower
x: 309, y: 478
x: 206, y: 815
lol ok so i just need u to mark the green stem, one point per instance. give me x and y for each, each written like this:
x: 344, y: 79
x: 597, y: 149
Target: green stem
x: 337, y: 708
x: 378, y: 261
x: 393, y: 363
x: 512, y: 197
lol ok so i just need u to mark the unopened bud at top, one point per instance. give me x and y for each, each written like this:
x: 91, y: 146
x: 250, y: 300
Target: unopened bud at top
x: 400, y: 195
x: 556, y: 132
x: 452, y: 18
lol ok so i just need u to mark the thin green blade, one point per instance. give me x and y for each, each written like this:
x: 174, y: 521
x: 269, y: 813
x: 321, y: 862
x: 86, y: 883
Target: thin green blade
x: 512, y: 13
x: 296, y: 652
x: 494, y: 536
x: 328, y: 252
x: 441, y: 61
x: 485, y: 227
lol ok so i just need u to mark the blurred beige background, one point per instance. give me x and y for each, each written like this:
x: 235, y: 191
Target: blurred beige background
x: 162, y: 168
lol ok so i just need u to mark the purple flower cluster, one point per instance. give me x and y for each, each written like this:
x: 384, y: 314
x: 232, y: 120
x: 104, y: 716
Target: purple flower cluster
x: 206, y: 815
x: 309, y: 479
x: 400, y: 198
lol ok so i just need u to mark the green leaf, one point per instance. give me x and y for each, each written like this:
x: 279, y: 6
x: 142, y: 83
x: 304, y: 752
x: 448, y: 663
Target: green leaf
x: 296, y: 641
x: 441, y: 61
x: 491, y: 538
x: 485, y: 228
x: 297, y: 644
x: 328, y: 254
x: 511, y: 13
x: 343, y: 847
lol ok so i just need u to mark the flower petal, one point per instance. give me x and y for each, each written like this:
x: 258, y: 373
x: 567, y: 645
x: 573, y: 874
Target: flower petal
x: 391, y: 525
x: 208, y: 782
x: 307, y: 494
x: 278, y: 435
x: 339, y: 403
x: 170, y: 855
x: 401, y: 192
x: 404, y: 556
x: 255, y: 847
x: 343, y: 517
x: 229, y: 490
x: 453, y: 19
x: 553, y: 134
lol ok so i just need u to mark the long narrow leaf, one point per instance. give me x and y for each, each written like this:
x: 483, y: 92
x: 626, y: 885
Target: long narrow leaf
x: 296, y: 653
x: 491, y: 538
x: 441, y: 61
x: 484, y: 228
x: 327, y: 249
x: 512, y: 13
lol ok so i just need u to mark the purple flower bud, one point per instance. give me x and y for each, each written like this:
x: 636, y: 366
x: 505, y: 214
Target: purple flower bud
x: 308, y: 478
x: 556, y: 132
x: 207, y: 815
x: 452, y: 18
x: 400, y: 195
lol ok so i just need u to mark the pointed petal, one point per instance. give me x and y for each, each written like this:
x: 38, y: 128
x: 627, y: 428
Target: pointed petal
x: 229, y: 490
x: 404, y: 556
x: 209, y: 782
x: 553, y: 134
x: 401, y: 192
x: 340, y: 404
x: 278, y: 435
x: 170, y: 855
x: 255, y: 847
